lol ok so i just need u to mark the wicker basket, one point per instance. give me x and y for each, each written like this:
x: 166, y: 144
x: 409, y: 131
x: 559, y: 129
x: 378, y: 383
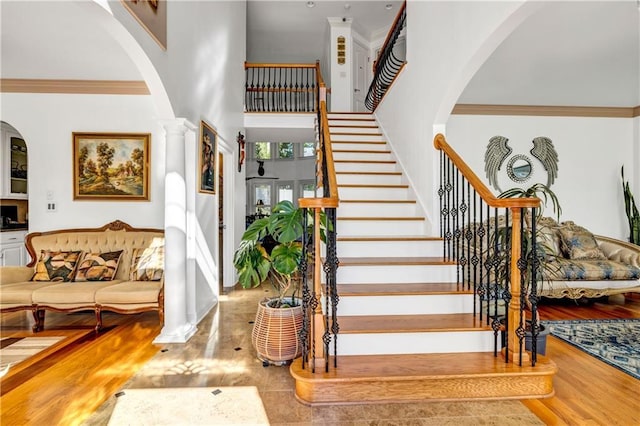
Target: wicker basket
x: 275, y: 332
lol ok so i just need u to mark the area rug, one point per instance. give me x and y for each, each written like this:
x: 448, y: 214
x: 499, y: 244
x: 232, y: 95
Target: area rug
x: 14, y: 350
x: 189, y: 406
x: 616, y: 342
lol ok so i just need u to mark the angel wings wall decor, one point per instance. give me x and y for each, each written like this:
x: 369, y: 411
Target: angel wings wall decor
x: 520, y: 168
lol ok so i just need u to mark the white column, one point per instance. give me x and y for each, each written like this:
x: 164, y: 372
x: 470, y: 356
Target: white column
x: 177, y: 328
x: 341, y: 74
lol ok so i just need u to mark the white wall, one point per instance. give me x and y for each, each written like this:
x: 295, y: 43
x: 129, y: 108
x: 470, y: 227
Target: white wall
x: 446, y: 43
x: 590, y: 151
x: 47, y: 121
x: 203, y: 73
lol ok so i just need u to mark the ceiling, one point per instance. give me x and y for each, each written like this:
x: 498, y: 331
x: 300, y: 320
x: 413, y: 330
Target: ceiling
x: 292, y: 32
x: 568, y: 53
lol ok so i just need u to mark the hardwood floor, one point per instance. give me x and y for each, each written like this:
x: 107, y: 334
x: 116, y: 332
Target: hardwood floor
x: 588, y: 391
x: 76, y: 382
x: 79, y: 378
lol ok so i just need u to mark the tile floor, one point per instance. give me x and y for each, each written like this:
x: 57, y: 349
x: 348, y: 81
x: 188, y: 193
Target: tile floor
x: 220, y: 354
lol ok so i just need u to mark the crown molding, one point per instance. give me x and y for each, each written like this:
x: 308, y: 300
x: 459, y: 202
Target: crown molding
x: 546, y: 111
x: 87, y: 87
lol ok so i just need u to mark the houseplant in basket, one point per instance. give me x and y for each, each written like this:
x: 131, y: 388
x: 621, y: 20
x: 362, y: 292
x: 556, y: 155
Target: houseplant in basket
x: 271, y: 250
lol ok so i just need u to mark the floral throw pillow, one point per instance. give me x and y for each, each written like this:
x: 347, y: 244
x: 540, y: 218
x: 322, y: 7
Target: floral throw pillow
x: 579, y: 243
x: 98, y: 266
x: 56, y: 266
x: 147, y: 264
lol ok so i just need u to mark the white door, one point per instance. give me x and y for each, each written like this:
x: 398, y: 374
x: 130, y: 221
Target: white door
x: 360, y: 80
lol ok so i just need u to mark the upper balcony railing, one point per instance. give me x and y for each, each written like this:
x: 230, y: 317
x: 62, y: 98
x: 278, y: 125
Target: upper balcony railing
x: 389, y: 62
x: 281, y: 87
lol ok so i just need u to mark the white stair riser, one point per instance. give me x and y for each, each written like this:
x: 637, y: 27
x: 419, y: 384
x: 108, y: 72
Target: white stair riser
x: 372, y: 137
x: 351, y: 166
x: 363, y: 179
x: 415, y: 343
x: 362, y: 156
x: 354, y: 123
x: 360, y: 146
x: 406, y: 304
x: 373, y: 193
x: 384, y: 274
x: 388, y: 249
x: 331, y: 116
x: 377, y: 209
x: 380, y: 227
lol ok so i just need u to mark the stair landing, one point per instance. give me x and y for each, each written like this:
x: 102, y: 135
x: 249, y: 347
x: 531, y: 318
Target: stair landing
x: 419, y: 377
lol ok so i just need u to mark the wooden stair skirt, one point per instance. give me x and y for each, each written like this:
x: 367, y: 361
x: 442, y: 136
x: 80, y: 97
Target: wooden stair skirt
x: 420, y: 377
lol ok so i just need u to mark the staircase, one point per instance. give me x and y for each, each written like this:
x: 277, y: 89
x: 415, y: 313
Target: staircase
x: 407, y: 330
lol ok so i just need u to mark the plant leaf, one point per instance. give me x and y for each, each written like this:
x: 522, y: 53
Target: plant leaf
x: 285, y: 223
x: 286, y: 257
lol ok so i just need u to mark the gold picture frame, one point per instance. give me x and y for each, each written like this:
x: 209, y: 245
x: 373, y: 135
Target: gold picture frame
x: 207, y: 154
x: 152, y: 16
x: 111, y: 166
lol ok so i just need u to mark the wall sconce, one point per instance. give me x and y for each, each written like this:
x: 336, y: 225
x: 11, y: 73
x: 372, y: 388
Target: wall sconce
x: 341, y: 50
x: 260, y: 168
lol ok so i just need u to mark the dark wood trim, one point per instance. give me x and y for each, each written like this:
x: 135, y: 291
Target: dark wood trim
x: 87, y: 87
x: 546, y: 111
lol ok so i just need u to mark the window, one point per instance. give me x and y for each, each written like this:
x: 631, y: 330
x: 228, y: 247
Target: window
x: 262, y: 193
x: 263, y: 150
x: 307, y: 189
x: 285, y: 150
x: 309, y: 149
x: 285, y: 191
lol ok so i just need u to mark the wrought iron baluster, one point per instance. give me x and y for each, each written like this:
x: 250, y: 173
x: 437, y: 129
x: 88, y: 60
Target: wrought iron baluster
x: 306, y: 313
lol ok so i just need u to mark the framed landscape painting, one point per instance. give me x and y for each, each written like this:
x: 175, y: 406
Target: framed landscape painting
x: 111, y: 166
x: 207, y: 155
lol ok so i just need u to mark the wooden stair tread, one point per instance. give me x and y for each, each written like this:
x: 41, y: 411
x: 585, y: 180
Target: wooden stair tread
x: 401, y: 289
x: 402, y: 218
x: 355, y: 133
x: 370, y: 173
x: 410, y: 323
x: 366, y: 161
x: 410, y: 366
x: 379, y: 201
x: 352, y: 126
x: 361, y: 151
x: 359, y: 142
x: 389, y: 261
x: 352, y: 119
x: 368, y: 185
x: 348, y: 113
x: 388, y: 238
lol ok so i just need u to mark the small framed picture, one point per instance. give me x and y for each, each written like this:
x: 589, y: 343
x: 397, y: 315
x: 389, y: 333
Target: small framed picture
x: 207, y: 155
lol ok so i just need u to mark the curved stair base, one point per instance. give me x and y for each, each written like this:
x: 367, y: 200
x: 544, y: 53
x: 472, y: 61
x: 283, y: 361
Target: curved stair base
x: 420, y: 377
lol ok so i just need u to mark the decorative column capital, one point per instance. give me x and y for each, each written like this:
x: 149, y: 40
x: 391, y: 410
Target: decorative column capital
x: 177, y: 126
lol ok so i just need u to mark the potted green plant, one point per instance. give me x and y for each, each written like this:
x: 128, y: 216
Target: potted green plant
x: 271, y: 250
x: 630, y: 208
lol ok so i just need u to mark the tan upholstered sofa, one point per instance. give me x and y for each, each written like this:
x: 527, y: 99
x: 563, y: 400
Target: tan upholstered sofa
x: 576, y: 264
x: 112, y: 268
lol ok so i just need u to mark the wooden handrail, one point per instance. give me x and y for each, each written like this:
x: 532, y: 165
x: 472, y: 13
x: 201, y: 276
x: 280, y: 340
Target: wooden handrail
x: 386, y: 40
x: 440, y: 143
x: 267, y: 65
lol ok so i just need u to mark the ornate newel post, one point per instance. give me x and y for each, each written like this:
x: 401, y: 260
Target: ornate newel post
x: 516, y: 315
x: 177, y: 328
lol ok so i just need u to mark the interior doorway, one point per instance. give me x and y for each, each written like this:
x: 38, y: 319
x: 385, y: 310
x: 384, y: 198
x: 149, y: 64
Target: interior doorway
x: 360, y: 77
x: 221, y: 225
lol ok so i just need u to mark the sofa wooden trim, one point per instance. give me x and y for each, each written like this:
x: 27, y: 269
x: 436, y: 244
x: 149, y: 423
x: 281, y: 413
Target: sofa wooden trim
x: 38, y: 309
